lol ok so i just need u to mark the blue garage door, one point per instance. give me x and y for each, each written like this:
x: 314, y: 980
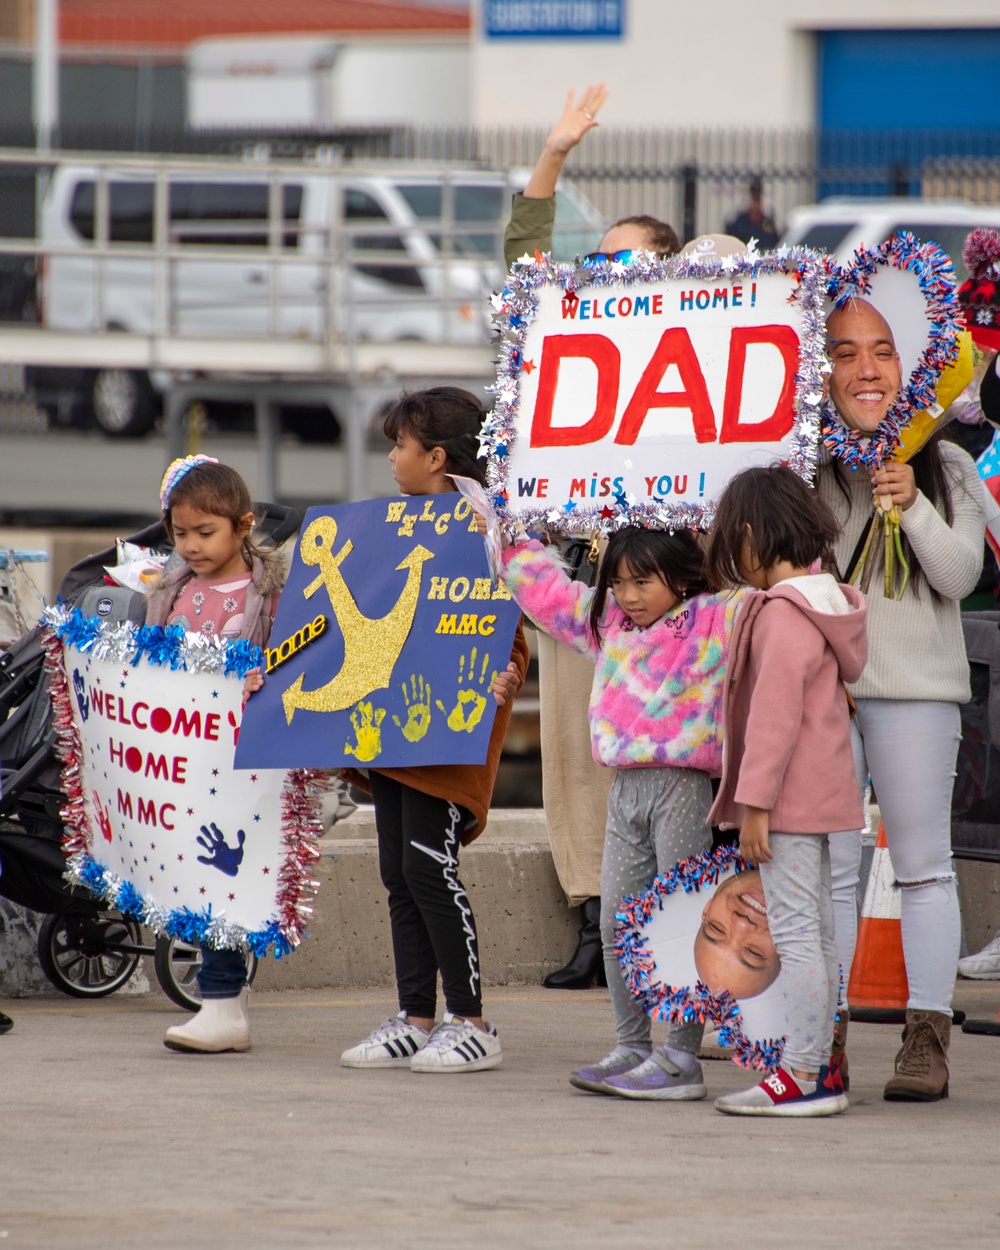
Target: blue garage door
x: 909, y: 79
x: 889, y: 99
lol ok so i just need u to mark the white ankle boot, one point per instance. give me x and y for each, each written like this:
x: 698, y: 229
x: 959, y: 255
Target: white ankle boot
x: 221, y: 1024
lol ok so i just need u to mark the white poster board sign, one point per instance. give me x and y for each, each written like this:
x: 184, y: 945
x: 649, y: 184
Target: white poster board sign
x: 632, y: 392
x: 158, y: 821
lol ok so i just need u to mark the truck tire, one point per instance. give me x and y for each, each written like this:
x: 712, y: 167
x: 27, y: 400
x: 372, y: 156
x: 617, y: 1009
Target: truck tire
x: 124, y: 403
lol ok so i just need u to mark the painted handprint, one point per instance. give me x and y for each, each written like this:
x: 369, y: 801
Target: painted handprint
x: 80, y: 686
x: 103, y: 819
x: 366, y: 719
x: 418, y: 709
x: 469, y: 702
x: 220, y: 854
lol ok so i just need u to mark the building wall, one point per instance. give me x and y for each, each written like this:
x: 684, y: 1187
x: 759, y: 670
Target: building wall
x: 16, y: 19
x: 734, y: 64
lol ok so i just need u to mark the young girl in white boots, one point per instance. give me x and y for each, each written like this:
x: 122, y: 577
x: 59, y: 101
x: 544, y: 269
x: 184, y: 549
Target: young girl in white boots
x: 227, y: 587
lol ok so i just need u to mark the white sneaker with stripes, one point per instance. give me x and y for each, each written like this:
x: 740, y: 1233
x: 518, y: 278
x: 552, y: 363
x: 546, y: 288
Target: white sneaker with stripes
x: 391, y: 1045
x: 456, y: 1045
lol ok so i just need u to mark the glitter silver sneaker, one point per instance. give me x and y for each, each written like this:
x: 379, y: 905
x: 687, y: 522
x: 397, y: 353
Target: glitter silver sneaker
x: 620, y: 1061
x: 659, y: 1078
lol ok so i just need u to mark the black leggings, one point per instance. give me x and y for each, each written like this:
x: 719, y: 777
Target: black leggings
x: 429, y: 912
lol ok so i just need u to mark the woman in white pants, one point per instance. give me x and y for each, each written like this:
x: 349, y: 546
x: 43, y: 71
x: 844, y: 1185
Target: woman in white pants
x: 907, y: 728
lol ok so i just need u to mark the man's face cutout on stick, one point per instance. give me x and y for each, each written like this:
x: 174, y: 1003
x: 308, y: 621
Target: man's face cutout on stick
x: 867, y: 374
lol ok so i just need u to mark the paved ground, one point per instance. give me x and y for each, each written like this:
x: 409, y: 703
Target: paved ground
x: 111, y: 1140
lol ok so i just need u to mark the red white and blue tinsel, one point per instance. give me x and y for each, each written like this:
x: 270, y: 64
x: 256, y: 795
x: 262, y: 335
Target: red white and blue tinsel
x: 514, y: 310
x: 301, y: 799
x: 686, y: 1004
x: 935, y: 276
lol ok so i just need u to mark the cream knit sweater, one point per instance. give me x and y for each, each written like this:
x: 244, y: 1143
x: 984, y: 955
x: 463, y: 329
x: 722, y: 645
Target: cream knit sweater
x: 916, y: 649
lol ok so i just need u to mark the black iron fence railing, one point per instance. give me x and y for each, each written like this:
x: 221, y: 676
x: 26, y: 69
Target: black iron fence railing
x: 696, y: 179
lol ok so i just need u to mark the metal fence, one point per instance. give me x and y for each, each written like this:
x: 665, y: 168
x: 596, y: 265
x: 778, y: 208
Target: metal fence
x: 696, y: 179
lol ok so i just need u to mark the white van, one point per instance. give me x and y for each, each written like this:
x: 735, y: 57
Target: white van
x: 414, y: 252
x: 842, y: 224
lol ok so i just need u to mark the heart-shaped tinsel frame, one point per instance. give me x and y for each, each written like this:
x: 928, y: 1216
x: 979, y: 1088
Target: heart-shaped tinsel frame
x: 686, y: 1004
x: 935, y: 282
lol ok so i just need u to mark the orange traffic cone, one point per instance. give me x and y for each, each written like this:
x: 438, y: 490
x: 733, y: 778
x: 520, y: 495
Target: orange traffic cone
x: 878, y: 989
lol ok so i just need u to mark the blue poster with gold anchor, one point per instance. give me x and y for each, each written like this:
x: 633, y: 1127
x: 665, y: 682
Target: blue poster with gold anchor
x: 387, y: 636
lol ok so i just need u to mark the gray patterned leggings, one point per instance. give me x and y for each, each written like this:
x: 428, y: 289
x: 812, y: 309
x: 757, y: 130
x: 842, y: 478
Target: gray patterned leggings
x: 656, y: 816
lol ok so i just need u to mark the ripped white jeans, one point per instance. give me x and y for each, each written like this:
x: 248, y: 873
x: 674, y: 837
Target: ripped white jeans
x: 909, y: 749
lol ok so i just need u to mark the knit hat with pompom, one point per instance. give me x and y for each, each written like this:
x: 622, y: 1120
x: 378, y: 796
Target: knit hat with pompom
x: 980, y: 292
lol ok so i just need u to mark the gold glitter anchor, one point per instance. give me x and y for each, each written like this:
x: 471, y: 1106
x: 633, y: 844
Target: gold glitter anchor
x: 371, y: 648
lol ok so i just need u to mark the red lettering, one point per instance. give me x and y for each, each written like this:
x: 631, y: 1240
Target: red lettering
x: 178, y: 772
x: 97, y: 700
x: 777, y: 425
x: 212, y: 727
x: 122, y: 714
x: 606, y: 358
x: 149, y: 814
x: 125, y: 805
x: 136, y: 708
x: 185, y: 724
x: 674, y: 348
x: 657, y: 305
x: 157, y: 765
x: 569, y: 307
x: 543, y: 488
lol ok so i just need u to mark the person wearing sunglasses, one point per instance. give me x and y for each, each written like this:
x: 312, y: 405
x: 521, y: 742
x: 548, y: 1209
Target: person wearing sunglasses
x: 574, y: 788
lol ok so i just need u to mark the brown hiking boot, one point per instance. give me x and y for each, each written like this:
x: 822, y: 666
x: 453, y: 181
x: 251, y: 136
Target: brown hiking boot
x: 922, y: 1062
x: 837, y: 1054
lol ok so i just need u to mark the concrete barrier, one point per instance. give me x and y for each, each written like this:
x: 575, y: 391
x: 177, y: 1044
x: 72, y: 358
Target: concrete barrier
x: 525, y: 928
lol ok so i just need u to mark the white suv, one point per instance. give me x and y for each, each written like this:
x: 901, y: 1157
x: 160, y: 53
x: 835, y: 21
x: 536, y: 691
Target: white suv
x: 842, y: 224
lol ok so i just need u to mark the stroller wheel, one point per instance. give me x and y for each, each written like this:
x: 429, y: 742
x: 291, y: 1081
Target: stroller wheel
x: 88, y: 956
x: 176, y: 964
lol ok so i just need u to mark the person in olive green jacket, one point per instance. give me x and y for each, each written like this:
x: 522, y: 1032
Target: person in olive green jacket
x: 574, y: 788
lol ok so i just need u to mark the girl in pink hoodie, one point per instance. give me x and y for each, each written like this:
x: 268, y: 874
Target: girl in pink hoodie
x: 788, y: 772
x: 659, y: 643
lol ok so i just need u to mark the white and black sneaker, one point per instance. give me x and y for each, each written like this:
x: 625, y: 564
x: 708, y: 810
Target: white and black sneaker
x: 391, y: 1045
x: 456, y: 1045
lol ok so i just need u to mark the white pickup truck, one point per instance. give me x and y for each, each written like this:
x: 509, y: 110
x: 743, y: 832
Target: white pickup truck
x: 363, y: 253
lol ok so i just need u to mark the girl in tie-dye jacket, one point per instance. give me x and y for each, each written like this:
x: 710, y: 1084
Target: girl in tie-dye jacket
x: 660, y: 644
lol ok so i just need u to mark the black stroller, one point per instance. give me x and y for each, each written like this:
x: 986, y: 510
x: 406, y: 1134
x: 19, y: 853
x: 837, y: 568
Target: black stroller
x: 84, y: 949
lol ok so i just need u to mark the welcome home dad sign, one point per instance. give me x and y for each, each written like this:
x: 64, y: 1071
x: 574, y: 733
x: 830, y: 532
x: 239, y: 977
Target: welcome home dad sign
x: 634, y: 390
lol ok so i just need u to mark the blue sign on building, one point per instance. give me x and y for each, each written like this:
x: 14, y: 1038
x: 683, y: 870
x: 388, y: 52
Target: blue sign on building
x: 554, y: 19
